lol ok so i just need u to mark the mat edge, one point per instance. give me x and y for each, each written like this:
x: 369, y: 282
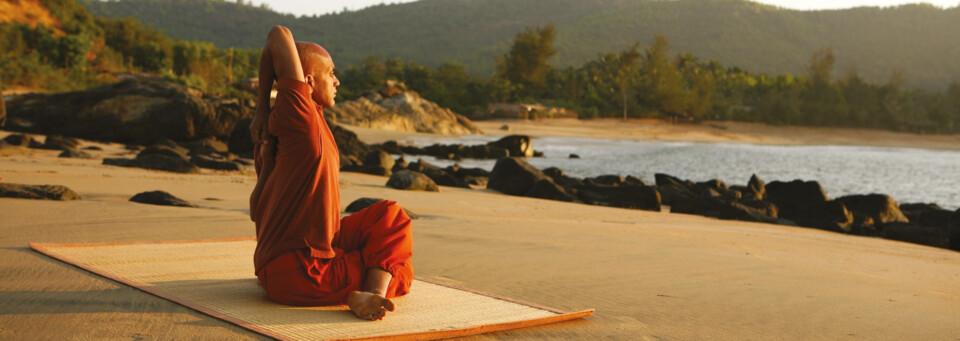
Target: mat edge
x: 483, y: 329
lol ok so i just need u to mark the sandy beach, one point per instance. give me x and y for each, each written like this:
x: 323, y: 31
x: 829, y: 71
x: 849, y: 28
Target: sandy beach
x: 650, y: 276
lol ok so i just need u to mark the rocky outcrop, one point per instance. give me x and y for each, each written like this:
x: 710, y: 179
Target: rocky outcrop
x: 160, y: 198
x: 139, y: 111
x: 508, y: 146
x: 514, y: 176
x: 41, y: 192
x: 394, y: 107
x: 412, y: 181
x: 170, y: 156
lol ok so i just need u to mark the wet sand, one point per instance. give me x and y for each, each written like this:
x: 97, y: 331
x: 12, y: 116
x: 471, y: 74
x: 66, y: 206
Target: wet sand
x: 651, y: 276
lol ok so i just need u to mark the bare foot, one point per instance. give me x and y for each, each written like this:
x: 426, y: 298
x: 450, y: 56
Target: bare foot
x: 369, y: 306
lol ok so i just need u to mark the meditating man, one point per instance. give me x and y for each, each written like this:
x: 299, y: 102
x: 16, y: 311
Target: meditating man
x: 306, y: 255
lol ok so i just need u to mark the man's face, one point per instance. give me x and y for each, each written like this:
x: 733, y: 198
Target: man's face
x: 325, y: 84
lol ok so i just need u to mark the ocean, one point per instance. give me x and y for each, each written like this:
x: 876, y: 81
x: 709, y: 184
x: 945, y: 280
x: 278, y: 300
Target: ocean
x: 909, y: 175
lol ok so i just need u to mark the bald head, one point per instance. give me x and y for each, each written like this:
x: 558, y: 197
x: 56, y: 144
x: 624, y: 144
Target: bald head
x: 313, y: 57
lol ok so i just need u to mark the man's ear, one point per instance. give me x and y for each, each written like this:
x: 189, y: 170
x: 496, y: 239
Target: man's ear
x: 309, y: 80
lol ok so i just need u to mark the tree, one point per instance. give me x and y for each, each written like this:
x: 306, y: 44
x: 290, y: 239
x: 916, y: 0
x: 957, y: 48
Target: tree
x: 624, y: 77
x: 661, y: 85
x: 526, y: 63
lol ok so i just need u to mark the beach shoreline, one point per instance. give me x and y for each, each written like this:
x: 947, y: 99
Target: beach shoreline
x: 687, y: 277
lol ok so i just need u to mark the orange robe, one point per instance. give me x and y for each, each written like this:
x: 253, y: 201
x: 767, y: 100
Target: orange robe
x: 307, y: 255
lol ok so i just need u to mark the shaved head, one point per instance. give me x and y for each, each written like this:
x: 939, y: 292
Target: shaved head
x: 313, y: 57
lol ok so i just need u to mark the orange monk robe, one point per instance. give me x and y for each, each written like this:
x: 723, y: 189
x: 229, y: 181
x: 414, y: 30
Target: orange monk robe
x: 305, y: 254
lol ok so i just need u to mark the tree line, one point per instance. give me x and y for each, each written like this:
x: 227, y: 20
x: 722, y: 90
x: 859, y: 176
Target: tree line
x: 651, y: 82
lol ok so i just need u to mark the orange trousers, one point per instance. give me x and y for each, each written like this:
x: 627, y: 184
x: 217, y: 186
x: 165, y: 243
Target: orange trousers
x: 378, y: 236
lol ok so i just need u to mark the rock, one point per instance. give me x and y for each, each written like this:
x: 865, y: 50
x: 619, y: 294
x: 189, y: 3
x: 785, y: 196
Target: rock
x: 21, y: 140
x: 240, y: 141
x: 637, y: 197
x: 793, y: 198
x: 166, y: 150
x: 913, y: 233
x: 516, y: 145
x: 476, y: 181
x: 879, y: 208
x: 76, y: 154
x: 716, y: 185
x: 414, y: 181
x: 56, y: 142
x: 718, y: 208
x: 156, y: 162
x: 378, y: 162
x: 396, y: 108
x: 391, y: 147
x: 139, y: 111
x: 955, y: 230
x: 544, y: 188
x: 352, y: 150
x: 362, y: 203
x: 92, y: 148
x: 611, y: 180
x: 672, y: 192
x: 632, y: 180
x: 505, y: 127
x: 208, y: 162
x: 574, y: 156
x: 160, y: 198
x: 927, y: 215
x: 41, y: 192
x: 206, y: 146
x: 758, y: 187
x: 514, y: 176
x: 828, y: 215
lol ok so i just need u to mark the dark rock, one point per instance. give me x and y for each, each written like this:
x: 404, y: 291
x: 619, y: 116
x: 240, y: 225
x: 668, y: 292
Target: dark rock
x: 672, y: 193
x: 160, y: 198
x: 56, y: 142
x: 828, y: 215
x: 92, y: 148
x: 20, y: 140
x: 610, y: 180
x: 206, y: 146
x: 544, y: 188
x: 409, y: 180
x: 476, y: 181
x: 719, y: 208
x: 637, y: 197
x: 758, y: 186
x: 362, y: 203
x: 240, y: 140
x: 927, y: 215
x: 378, y: 162
x: 793, y: 198
x: 664, y: 179
x: 516, y: 145
x: 156, y: 162
x: 514, y: 176
x: 132, y: 111
x: 632, y: 180
x: 574, y: 156
x: 537, y: 153
x: 437, y: 174
x: 42, y: 192
x: 764, y: 207
x: 352, y: 150
x: 399, y: 163
x: 879, y: 208
x: 913, y: 233
x: 243, y: 161
x: 166, y: 150
x: 76, y: 154
x: 208, y: 162
x: 390, y: 147
x: 475, y: 172
x: 505, y: 127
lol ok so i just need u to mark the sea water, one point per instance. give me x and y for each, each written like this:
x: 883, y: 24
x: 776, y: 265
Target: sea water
x: 909, y: 175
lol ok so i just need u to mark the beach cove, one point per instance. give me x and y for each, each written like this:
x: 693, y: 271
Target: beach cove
x: 649, y: 275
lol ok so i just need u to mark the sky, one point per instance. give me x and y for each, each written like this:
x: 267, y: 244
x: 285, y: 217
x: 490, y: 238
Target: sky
x: 311, y: 7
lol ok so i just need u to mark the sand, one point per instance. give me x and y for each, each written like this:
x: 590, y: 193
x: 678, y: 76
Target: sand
x: 650, y: 275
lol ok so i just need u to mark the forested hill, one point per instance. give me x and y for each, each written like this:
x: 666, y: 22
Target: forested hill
x: 921, y: 41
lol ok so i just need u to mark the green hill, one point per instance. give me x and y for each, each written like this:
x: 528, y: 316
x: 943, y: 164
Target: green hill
x: 919, y: 40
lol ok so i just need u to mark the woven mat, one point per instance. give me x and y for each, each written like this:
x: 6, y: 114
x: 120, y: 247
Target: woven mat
x: 215, y: 277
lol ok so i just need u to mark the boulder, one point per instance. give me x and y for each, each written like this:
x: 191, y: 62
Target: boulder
x: 828, y: 215
x: 917, y: 234
x: 758, y: 187
x: 156, y: 162
x: 719, y: 208
x: 927, y: 215
x: 544, y: 188
x: 138, y: 110
x: 514, y: 176
x: 56, y: 142
x: 610, y: 180
x: 793, y: 198
x: 878, y: 208
x: 352, y: 150
x: 637, y: 197
x: 206, y: 146
x: 21, y: 140
x: 160, y: 198
x: 396, y: 108
x: 41, y: 192
x: 74, y: 154
x: 378, y: 162
x: 516, y: 145
x: 210, y: 162
x: 240, y: 141
x: 574, y: 156
x: 409, y: 180
x: 166, y: 150
x: 672, y: 193
x: 362, y: 203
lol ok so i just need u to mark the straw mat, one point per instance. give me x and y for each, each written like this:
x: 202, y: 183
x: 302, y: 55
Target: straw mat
x: 216, y: 277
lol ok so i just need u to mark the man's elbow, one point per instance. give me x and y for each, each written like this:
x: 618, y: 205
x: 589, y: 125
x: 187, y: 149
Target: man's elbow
x: 278, y: 33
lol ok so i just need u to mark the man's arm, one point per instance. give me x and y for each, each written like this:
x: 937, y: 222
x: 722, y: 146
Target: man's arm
x: 278, y: 60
